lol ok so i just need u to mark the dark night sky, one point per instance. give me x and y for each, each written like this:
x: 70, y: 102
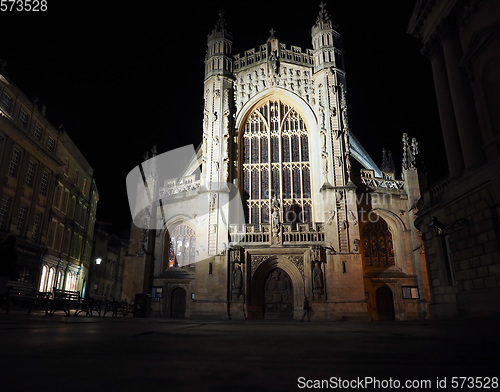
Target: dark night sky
x: 121, y: 78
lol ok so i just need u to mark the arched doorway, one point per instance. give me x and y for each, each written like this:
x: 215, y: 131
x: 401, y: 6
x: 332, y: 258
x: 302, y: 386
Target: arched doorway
x: 278, y: 295
x: 178, y: 303
x: 385, y: 303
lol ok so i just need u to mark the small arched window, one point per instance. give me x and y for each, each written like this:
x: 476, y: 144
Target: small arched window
x: 43, y: 278
x: 182, y: 246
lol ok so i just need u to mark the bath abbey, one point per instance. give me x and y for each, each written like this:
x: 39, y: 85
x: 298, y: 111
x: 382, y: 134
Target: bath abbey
x: 280, y: 202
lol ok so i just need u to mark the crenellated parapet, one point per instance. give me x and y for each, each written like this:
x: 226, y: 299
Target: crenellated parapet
x: 386, y: 181
x: 273, y: 65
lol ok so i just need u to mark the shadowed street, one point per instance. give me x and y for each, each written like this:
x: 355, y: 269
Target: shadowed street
x: 95, y: 354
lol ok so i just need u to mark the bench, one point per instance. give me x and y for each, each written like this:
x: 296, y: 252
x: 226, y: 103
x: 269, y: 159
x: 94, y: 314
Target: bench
x: 64, y: 300
x: 93, y: 303
x: 24, y: 293
x: 116, y: 307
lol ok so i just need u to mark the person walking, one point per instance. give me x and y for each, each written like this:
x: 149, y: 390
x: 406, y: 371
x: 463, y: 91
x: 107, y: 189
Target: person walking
x: 307, y: 310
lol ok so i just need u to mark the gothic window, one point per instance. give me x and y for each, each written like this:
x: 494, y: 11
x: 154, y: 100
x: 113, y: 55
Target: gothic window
x: 377, y: 244
x: 276, y: 163
x: 182, y: 246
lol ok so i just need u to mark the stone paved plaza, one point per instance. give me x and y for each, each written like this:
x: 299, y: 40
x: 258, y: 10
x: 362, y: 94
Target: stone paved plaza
x: 126, y: 354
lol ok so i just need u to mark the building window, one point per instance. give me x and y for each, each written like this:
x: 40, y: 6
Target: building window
x: 65, y: 199
x: 182, y: 246
x: 47, y: 278
x: 71, y: 208
x: 30, y: 174
x: 14, y: 162
x: 84, y: 186
x: 60, y: 280
x: 66, y: 167
x: 276, y: 163
x: 44, y: 183
x: 377, y: 243
x: 37, y: 223
x: 67, y: 242
x: 71, y: 282
x: 43, y: 279
x: 37, y: 132
x: 5, y: 102
x: 57, y: 196
x: 50, y: 144
x: 21, y: 217
x: 23, y: 118
x: 59, y: 237
x: 4, y: 210
x: 410, y: 292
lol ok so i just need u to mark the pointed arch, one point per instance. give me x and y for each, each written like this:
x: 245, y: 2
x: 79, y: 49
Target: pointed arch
x: 275, y: 156
x: 258, y: 280
x: 396, y: 228
x: 179, y: 243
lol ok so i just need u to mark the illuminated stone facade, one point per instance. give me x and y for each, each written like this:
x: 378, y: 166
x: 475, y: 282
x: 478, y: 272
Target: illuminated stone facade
x: 48, y: 197
x: 275, y: 125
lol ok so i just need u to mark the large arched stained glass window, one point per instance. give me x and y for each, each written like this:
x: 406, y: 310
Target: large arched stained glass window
x: 276, y: 163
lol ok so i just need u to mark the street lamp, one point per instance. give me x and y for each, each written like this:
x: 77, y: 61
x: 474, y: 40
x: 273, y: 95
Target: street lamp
x: 439, y: 228
x: 98, y: 261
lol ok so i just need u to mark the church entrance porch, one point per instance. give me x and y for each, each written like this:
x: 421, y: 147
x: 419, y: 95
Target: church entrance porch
x: 278, y: 295
x: 275, y: 286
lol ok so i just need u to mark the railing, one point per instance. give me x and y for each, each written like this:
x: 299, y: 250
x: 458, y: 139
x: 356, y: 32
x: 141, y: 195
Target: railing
x: 173, y: 187
x: 387, y: 181
x: 261, y: 233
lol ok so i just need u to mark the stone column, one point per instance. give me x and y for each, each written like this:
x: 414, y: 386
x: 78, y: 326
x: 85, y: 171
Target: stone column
x: 465, y: 115
x: 445, y: 106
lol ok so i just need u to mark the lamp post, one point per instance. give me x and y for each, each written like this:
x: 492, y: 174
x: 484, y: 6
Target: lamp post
x: 440, y: 228
x: 92, y: 274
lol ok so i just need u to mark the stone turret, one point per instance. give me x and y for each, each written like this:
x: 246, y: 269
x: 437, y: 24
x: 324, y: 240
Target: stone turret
x: 218, y: 60
x: 326, y: 42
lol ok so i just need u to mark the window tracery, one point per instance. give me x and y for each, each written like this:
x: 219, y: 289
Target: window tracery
x: 182, y: 246
x: 377, y: 244
x: 276, y: 162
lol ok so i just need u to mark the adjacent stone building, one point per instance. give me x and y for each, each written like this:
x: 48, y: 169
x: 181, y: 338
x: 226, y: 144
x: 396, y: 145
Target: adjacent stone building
x: 320, y: 219
x: 107, y: 263
x: 460, y: 215
x: 48, y: 197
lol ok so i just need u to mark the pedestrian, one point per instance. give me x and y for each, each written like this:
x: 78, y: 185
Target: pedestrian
x: 8, y: 257
x: 307, y: 310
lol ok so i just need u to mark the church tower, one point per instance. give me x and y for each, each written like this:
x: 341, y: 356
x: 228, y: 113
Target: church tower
x: 331, y: 107
x: 217, y: 123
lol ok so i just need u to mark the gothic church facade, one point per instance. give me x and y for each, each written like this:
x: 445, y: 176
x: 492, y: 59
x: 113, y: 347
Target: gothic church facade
x: 321, y: 220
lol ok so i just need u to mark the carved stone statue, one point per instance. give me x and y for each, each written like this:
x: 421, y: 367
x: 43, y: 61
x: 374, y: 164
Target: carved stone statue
x: 237, y: 278
x: 275, y: 221
x: 317, y: 276
x: 237, y: 281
